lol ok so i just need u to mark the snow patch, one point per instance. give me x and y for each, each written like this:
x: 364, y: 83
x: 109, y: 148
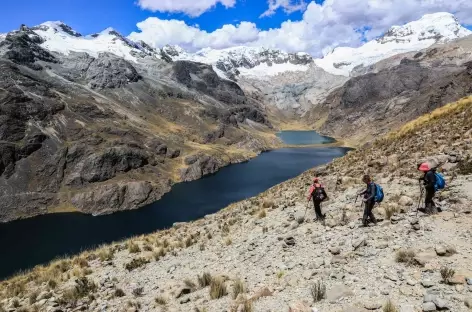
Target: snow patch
x: 273, y: 70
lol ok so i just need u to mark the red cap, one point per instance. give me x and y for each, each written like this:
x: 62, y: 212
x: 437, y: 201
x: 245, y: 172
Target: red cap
x: 316, y: 179
x: 424, y: 167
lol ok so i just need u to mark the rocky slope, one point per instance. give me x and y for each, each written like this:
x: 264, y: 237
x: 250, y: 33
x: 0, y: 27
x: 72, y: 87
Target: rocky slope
x: 431, y: 29
x: 99, y: 130
x: 263, y: 255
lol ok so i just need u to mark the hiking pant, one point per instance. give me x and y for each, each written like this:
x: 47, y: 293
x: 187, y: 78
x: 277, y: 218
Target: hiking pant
x: 319, y: 215
x: 368, y: 214
x: 430, y: 206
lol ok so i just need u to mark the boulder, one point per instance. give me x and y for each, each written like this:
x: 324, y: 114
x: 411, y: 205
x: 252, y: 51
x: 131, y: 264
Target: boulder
x: 405, y: 201
x: 299, y: 306
x: 429, y: 306
x: 337, y: 292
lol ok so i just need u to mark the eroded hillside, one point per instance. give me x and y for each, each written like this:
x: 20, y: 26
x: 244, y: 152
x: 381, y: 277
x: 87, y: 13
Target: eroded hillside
x: 261, y: 254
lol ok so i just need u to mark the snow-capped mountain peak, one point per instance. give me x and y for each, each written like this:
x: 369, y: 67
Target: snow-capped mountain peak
x: 61, y: 38
x: 243, y: 60
x: 417, y: 35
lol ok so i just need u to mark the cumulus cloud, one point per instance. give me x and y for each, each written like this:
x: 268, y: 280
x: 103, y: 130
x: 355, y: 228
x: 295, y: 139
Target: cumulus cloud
x: 323, y: 26
x: 289, y: 6
x: 192, y: 8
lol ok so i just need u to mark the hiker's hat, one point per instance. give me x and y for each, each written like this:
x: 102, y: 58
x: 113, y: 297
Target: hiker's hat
x: 424, y: 167
x: 315, y: 179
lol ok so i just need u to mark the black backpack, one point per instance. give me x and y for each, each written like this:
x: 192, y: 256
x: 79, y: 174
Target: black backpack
x: 318, y: 194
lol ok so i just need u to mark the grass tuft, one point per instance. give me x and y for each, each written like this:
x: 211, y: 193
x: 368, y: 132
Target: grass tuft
x: 136, y: 263
x: 405, y: 256
x: 218, y: 288
x: 389, y: 307
x: 204, y: 280
x: 133, y: 247
x: 161, y: 300
x: 238, y: 288
x: 318, y: 291
x: 447, y: 274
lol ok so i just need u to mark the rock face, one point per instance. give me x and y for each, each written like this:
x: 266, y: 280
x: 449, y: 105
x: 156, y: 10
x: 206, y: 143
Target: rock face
x: 104, y: 131
x: 199, y: 166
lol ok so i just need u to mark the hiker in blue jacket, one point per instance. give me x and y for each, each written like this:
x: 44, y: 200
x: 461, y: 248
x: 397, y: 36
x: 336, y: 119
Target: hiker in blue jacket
x: 369, y: 200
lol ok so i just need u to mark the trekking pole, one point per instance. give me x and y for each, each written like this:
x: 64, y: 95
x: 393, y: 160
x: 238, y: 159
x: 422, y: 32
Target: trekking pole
x: 306, y: 209
x: 419, y: 200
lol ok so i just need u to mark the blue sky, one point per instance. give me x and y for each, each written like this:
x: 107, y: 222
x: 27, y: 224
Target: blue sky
x: 90, y: 16
x: 314, y: 26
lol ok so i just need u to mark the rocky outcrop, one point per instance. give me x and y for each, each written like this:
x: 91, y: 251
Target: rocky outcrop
x: 198, y: 166
x: 109, y: 71
x: 113, y: 197
x: 203, y: 78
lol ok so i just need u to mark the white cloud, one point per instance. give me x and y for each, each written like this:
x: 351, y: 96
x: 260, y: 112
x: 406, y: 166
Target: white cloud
x: 323, y: 27
x: 289, y: 6
x: 190, y: 7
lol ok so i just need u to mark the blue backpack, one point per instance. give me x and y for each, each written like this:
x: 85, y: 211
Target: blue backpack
x: 379, y: 193
x: 440, y: 182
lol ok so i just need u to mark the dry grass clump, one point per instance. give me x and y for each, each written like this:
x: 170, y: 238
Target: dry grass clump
x: 465, y: 166
x: 389, y: 307
x: 318, y: 291
x: 33, y: 297
x: 267, y: 204
x: 159, y: 253
x: 390, y: 210
x: 262, y: 214
x: 405, y: 256
x: 136, y: 263
x: 119, y: 293
x: 161, y: 300
x: 83, y: 287
x: 447, y: 274
x: 218, y: 288
x: 238, y: 288
x: 106, y: 254
x: 228, y: 241
x: 81, y: 262
x: 204, y: 280
x: 133, y: 247
x: 243, y: 304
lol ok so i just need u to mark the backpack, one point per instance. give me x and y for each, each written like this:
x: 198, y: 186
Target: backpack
x: 318, y: 194
x: 440, y: 182
x: 379, y: 193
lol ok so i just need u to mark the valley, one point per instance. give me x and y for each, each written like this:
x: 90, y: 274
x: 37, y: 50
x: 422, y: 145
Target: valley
x: 218, y: 149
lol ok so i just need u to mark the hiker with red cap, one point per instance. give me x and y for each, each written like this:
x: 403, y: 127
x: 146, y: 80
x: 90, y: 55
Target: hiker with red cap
x: 318, y: 194
x: 429, y: 180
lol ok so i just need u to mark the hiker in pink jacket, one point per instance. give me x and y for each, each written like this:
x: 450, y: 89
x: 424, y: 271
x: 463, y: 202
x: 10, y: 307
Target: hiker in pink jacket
x: 318, y: 194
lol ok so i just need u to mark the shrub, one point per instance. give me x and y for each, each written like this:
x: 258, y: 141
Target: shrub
x: 204, y: 280
x: 300, y: 219
x: 447, y: 274
x: 201, y: 247
x: 218, y: 288
x: 262, y: 214
x: 238, y: 288
x: 119, y: 292
x: 52, y: 284
x: 138, y: 292
x: 318, y: 291
x: 133, y: 247
x: 82, y: 288
x: 389, y: 307
x: 228, y: 241
x: 136, y: 263
x: 161, y: 300
x: 147, y: 247
x: 405, y: 256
